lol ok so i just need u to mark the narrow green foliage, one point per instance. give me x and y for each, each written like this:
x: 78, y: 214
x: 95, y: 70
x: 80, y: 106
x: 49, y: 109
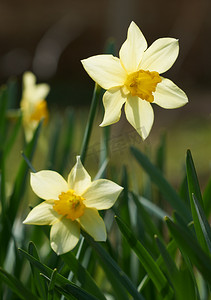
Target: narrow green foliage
x: 166, y: 189
x: 61, y: 282
x: 16, y: 286
x: 190, y: 247
x: 194, y: 188
x: 206, y: 198
x: 146, y: 260
x: 68, y: 140
x: 82, y: 275
x: 90, y: 122
x: 38, y: 282
x: 205, y: 226
x: 113, y: 270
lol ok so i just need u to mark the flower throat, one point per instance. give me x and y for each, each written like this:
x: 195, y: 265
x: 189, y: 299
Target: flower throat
x: 143, y: 84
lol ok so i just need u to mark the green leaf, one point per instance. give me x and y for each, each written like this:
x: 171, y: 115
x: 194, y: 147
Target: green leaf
x: 61, y: 282
x: 194, y: 188
x: 150, y: 207
x: 68, y: 140
x: 146, y: 260
x: 206, y: 198
x: 10, y: 141
x: 157, y: 177
x: 113, y: 271
x: 205, y: 227
x: 16, y: 286
x: 82, y: 275
x: 38, y: 281
x: 191, y: 248
x: 90, y: 121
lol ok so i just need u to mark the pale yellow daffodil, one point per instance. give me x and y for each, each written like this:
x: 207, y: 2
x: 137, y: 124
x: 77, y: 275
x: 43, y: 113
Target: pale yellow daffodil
x: 71, y: 204
x: 33, y: 103
x: 134, y: 79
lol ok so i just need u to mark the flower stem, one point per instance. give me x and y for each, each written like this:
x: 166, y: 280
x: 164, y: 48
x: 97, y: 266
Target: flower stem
x: 90, y: 121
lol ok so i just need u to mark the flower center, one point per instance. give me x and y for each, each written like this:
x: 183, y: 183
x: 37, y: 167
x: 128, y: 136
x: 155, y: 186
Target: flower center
x: 69, y: 205
x: 40, y: 111
x: 143, y: 84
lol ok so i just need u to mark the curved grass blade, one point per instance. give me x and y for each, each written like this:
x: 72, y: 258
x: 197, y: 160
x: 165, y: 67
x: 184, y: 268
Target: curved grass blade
x: 16, y: 286
x: 157, y: 177
x: 151, y: 207
x: 146, y: 260
x: 191, y: 248
x: 193, y: 186
x: 113, y: 271
x: 206, y: 198
x: 82, y: 275
x: 203, y: 222
x: 60, y: 281
x: 38, y: 281
x: 181, y: 279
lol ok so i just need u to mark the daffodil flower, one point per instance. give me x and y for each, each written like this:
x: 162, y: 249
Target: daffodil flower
x: 134, y: 79
x: 33, y: 103
x: 71, y: 205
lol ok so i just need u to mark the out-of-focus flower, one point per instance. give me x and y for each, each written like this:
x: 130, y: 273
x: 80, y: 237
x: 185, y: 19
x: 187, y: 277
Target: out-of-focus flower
x: 33, y: 103
x: 71, y: 204
x: 134, y: 79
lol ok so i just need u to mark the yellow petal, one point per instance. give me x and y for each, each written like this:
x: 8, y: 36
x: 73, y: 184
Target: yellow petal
x: 133, y: 48
x: 139, y: 114
x: 161, y: 55
x: 106, y: 70
x: 48, y: 185
x: 169, y: 95
x: 78, y: 178
x: 93, y: 224
x: 101, y: 194
x: 64, y: 235
x: 42, y: 214
x: 112, y: 101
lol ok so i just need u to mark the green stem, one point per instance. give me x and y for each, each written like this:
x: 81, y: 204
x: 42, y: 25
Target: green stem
x: 90, y: 121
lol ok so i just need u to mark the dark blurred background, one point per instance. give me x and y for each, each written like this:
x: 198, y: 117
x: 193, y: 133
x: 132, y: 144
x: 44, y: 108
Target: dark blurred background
x: 51, y: 37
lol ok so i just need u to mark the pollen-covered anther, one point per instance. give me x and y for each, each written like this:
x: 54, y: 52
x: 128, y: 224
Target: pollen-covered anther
x: 69, y: 205
x: 143, y: 84
x: 40, y: 111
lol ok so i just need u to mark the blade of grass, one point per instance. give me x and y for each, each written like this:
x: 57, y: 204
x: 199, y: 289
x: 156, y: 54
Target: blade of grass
x: 157, y: 177
x: 112, y: 269
x: 61, y: 281
x: 16, y: 286
x: 206, y: 198
x: 191, y: 248
x: 194, y: 188
x: 82, y: 275
x: 90, y: 122
x: 146, y: 260
x: 38, y: 281
x: 203, y: 222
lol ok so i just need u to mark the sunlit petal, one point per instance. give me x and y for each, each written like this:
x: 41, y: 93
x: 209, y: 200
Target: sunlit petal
x: 161, y: 55
x: 64, y: 235
x: 106, y: 70
x: 112, y: 101
x: 133, y: 48
x: 42, y: 214
x: 169, y: 95
x: 139, y: 114
x: 79, y: 179
x: 93, y: 224
x: 101, y: 194
x: 48, y: 185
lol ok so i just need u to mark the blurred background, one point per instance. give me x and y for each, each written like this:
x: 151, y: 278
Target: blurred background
x: 51, y: 37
